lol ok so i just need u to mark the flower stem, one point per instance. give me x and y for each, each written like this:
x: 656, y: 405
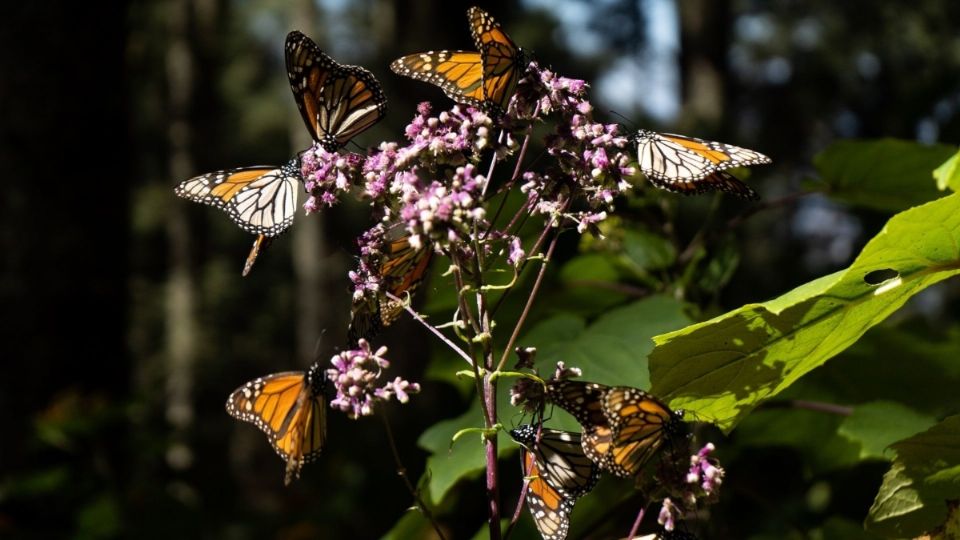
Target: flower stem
x: 492, y: 487
x: 402, y: 473
x: 529, y: 305
x: 413, y: 313
x: 519, y: 508
x: 637, y: 522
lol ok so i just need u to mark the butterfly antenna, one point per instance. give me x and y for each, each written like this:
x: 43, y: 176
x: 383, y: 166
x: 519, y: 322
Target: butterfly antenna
x: 633, y: 125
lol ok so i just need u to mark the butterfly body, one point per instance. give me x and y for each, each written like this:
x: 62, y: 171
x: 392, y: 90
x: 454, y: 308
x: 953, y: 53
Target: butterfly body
x: 690, y: 165
x: 291, y: 409
x: 559, y: 473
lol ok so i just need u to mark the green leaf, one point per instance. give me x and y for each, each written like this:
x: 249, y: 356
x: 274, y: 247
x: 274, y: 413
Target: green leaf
x: 886, y: 174
x: 589, y: 284
x: 875, y: 426
x: 98, y: 519
x: 612, y: 350
x: 722, y: 368
x: 644, y: 251
x: 923, y: 477
x: 448, y: 464
x: 948, y: 174
x: 411, y: 525
x: 838, y: 528
x: 811, y: 433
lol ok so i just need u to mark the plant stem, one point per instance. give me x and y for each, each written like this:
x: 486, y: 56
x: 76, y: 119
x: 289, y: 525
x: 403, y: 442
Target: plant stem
x: 529, y: 305
x: 413, y: 313
x: 519, y: 509
x: 636, y: 523
x: 492, y: 487
x: 402, y: 473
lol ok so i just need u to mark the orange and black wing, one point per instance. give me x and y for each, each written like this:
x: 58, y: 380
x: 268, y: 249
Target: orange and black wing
x: 458, y: 73
x: 549, y: 508
x: 337, y: 102
x: 289, y: 407
x: 402, y: 270
x: 584, y: 401
x: 640, y: 425
x: 260, y: 200
x: 503, y: 62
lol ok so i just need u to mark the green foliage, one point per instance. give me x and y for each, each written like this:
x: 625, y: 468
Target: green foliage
x: 886, y: 174
x: 924, y: 476
x: 450, y: 462
x: 875, y: 426
x: 948, y: 174
x: 614, y: 348
x: 723, y: 368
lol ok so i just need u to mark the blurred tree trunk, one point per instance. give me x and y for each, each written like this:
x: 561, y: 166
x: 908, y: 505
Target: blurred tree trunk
x: 312, y: 271
x: 704, y: 42
x: 181, y: 319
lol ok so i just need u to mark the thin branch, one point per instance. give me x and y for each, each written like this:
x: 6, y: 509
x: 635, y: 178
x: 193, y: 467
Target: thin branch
x: 819, y: 406
x: 402, y: 473
x: 463, y: 354
x: 529, y: 306
x: 519, y: 509
x: 636, y: 523
x: 623, y: 288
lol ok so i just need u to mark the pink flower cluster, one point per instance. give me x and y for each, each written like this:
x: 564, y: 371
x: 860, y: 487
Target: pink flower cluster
x: 355, y: 375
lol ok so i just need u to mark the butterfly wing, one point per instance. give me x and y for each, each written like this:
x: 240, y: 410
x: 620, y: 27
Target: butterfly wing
x: 502, y: 59
x: 337, y: 102
x: 585, y: 402
x: 718, y: 181
x: 560, y: 459
x: 722, y: 155
x: 549, y: 508
x: 689, y: 165
x: 640, y: 424
x: 289, y: 408
x: 260, y: 200
x: 401, y: 273
x: 458, y: 73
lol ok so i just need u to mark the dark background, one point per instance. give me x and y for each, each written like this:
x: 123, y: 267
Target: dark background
x: 126, y: 322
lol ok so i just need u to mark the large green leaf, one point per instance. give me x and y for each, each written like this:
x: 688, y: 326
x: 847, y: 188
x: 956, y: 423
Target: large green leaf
x: 924, y: 476
x: 448, y: 464
x: 722, y: 368
x: 875, y: 426
x: 612, y: 350
x: 886, y: 174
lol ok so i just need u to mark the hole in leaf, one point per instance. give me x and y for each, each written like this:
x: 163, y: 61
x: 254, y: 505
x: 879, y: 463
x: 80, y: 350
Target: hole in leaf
x: 879, y: 276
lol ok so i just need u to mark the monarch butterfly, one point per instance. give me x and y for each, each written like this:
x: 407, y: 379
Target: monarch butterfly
x: 401, y: 272
x: 486, y: 79
x: 290, y: 408
x: 261, y: 200
x: 689, y: 165
x: 623, y: 427
x: 336, y: 101
x: 559, y: 474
